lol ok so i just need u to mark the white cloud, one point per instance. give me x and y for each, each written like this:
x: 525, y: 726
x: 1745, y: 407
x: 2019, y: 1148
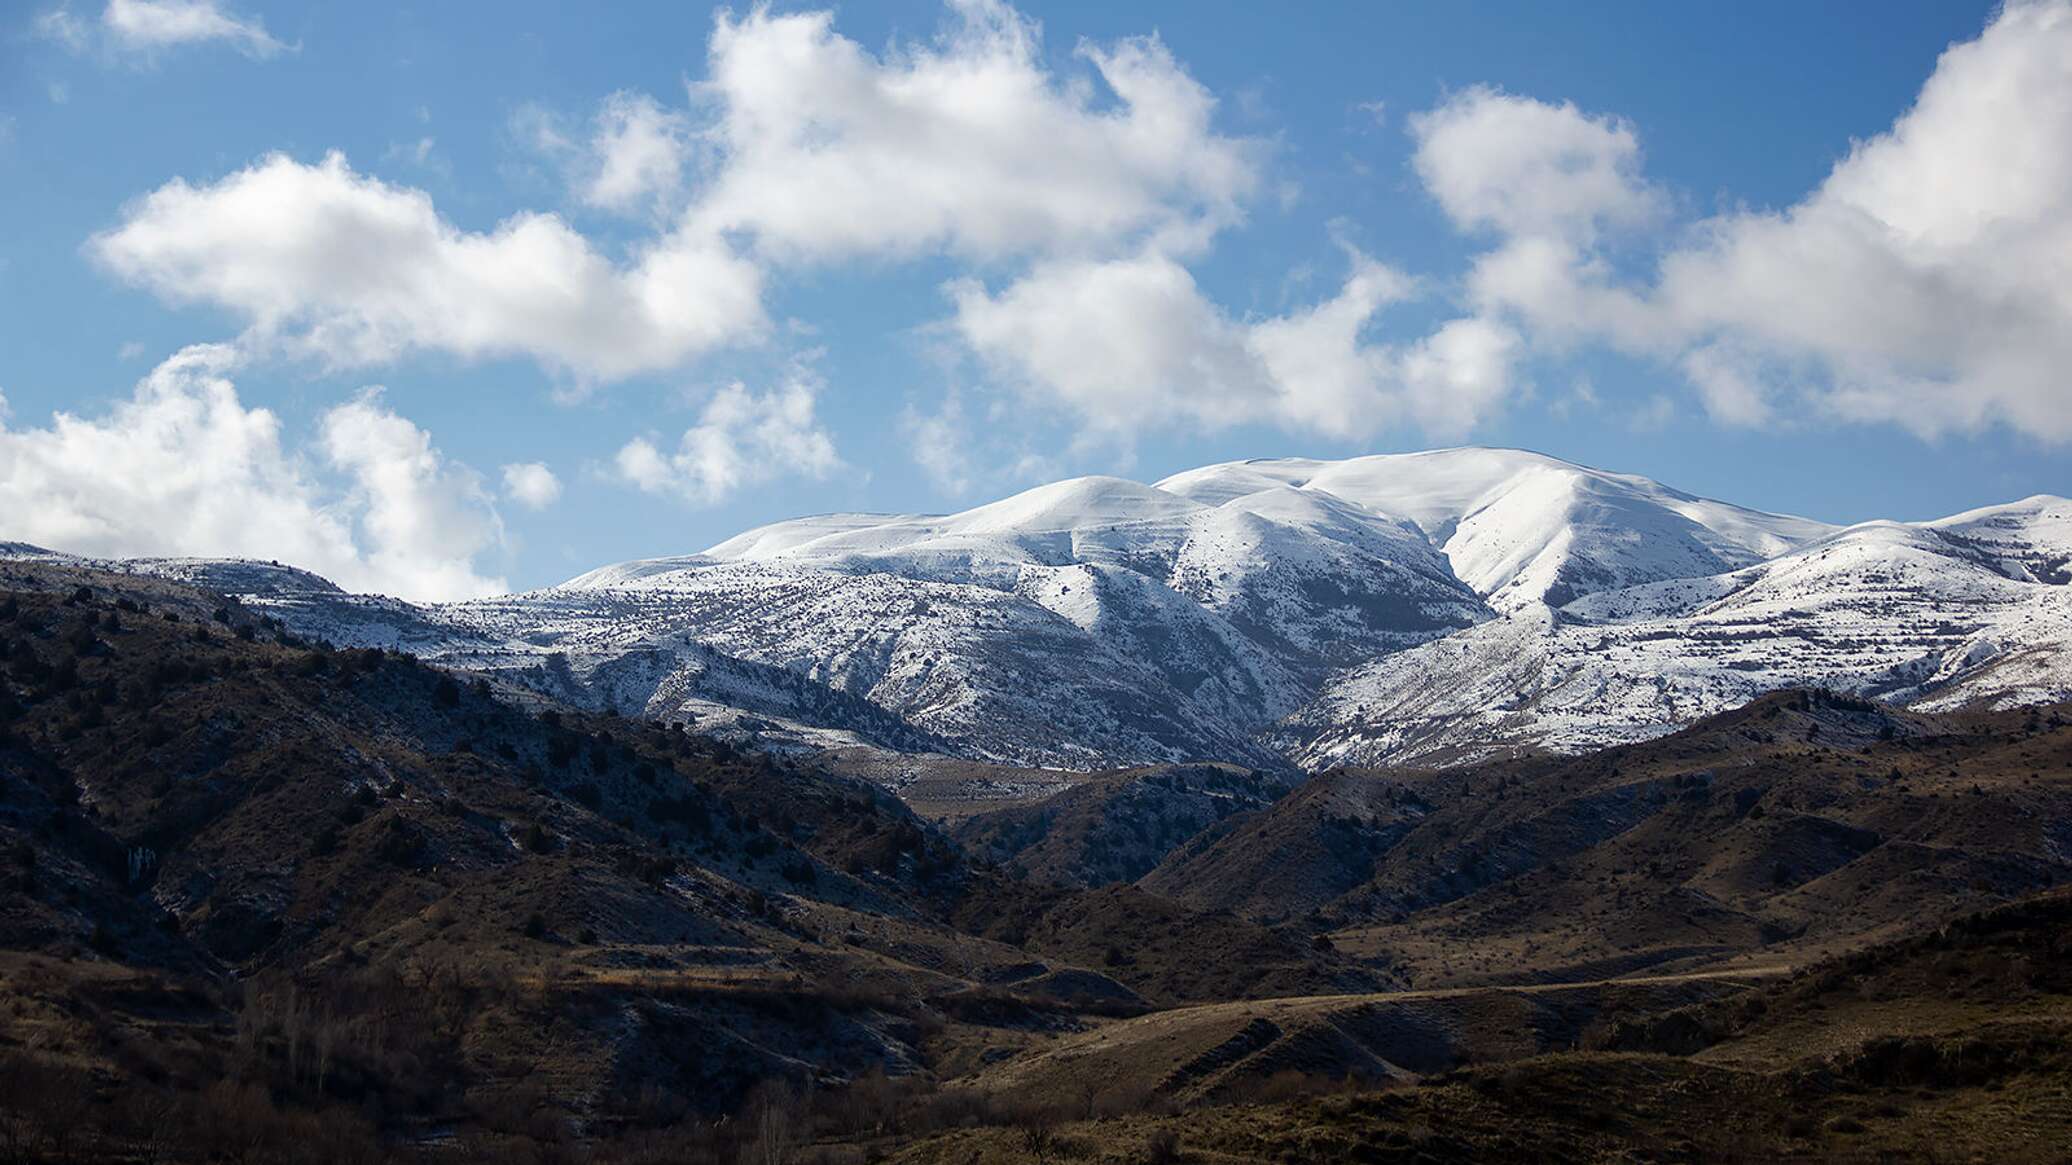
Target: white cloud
x: 425, y: 520
x: 1729, y: 382
x: 940, y: 443
x: 742, y: 438
x: 532, y: 485
x: 1132, y: 343
x: 184, y: 468
x: 1457, y: 377
x: 1551, y: 183
x: 1523, y: 167
x: 144, y: 28
x: 638, y: 154
x: 968, y: 144
x: 807, y: 149
x: 351, y: 270
x: 1927, y: 282
x: 1121, y: 344
x: 146, y: 25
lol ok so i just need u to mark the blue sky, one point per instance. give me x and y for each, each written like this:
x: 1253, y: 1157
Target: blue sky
x: 1706, y: 243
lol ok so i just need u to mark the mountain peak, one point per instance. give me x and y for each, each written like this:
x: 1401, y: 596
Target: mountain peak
x: 1440, y: 604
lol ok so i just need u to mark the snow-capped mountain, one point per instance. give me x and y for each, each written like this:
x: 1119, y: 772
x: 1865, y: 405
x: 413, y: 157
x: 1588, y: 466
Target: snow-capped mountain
x: 1525, y: 530
x: 1431, y: 606
x: 1973, y: 609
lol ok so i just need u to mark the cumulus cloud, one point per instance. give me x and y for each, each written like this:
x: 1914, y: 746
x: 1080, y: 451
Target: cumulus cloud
x: 1129, y: 343
x: 968, y: 144
x: 638, y: 153
x: 1928, y: 280
x: 1523, y: 167
x: 531, y: 484
x: 147, y: 27
x: 1550, y: 184
x: 1923, y: 283
x: 742, y: 438
x: 184, y: 468
x: 341, y: 266
x: 1120, y: 343
x: 424, y: 519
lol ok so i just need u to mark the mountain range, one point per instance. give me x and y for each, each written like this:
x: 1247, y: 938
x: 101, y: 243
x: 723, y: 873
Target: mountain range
x: 1433, y: 608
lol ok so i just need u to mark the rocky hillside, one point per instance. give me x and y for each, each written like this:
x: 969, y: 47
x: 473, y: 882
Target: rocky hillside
x: 397, y: 900
x: 1797, y: 824
x: 1115, y: 827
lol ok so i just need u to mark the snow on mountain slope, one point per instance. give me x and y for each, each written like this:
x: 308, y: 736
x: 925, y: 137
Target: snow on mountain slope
x: 1241, y: 610
x: 1433, y: 606
x: 1085, y: 622
x: 1220, y: 599
x: 2029, y: 540
x: 1066, y: 521
x: 1073, y: 665
x: 1522, y: 528
x: 1318, y: 584
x: 1935, y: 615
x: 237, y: 576
x: 601, y: 653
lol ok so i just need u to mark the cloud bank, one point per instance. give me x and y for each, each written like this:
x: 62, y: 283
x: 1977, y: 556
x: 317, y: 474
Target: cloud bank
x: 1926, y: 282
x: 183, y: 468
x: 336, y: 265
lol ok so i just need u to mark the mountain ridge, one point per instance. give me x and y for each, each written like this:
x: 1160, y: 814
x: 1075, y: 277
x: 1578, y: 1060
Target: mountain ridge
x: 1432, y: 608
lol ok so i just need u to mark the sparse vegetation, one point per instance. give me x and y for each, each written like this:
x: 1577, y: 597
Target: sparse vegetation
x: 260, y: 908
